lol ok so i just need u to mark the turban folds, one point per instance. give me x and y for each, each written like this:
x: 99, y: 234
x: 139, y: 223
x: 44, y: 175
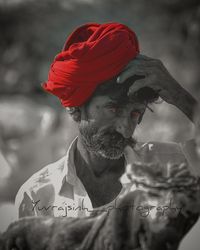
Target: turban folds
x: 92, y: 54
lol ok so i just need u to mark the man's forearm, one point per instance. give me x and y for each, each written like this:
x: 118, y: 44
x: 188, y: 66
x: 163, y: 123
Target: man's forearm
x: 186, y: 103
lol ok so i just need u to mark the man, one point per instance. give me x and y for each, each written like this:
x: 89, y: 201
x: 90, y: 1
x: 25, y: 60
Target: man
x: 106, y: 85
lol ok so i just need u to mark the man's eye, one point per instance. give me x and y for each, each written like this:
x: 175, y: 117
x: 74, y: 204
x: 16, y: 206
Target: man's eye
x: 135, y: 114
x: 113, y: 109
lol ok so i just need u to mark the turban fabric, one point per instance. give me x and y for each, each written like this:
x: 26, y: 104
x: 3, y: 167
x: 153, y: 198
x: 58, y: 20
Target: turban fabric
x: 92, y: 54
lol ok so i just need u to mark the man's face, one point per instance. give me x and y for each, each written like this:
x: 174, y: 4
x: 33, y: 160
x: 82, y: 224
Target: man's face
x: 107, y: 126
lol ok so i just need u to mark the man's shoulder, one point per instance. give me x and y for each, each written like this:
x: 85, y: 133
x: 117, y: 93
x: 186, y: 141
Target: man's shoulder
x: 46, y: 174
x: 44, y: 177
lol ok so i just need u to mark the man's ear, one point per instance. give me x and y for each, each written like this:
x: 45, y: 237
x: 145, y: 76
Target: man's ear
x: 75, y: 113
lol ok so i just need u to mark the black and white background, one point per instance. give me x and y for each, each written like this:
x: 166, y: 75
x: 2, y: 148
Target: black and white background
x: 34, y: 129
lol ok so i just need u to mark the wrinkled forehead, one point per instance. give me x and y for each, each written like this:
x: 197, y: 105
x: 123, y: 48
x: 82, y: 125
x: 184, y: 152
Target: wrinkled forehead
x: 117, y: 92
x: 106, y: 100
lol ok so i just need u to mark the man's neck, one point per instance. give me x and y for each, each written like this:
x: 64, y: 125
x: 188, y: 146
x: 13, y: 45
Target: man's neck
x: 97, y: 164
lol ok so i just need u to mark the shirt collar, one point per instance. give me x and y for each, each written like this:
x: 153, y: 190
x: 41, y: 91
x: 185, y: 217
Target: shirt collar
x: 69, y: 165
x: 68, y: 172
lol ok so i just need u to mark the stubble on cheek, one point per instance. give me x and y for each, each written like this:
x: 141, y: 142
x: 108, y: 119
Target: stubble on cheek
x: 105, y: 142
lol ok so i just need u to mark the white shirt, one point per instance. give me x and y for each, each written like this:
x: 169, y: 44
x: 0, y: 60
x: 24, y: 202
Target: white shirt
x: 56, y: 189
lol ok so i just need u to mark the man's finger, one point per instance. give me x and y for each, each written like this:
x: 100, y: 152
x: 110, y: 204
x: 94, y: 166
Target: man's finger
x: 137, y: 85
x: 133, y: 63
x: 147, y: 81
x: 137, y: 67
x: 141, y: 56
x: 130, y: 72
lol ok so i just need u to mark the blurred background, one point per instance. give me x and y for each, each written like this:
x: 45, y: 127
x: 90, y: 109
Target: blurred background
x: 34, y: 128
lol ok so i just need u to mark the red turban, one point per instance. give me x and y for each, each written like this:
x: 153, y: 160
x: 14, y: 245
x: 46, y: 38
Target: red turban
x: 93, y: 54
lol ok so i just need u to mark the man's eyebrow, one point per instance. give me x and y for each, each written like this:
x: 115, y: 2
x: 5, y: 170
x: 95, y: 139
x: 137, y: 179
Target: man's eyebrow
x: 112, y: 103
x: 131, y: 100
x: 123, y: 104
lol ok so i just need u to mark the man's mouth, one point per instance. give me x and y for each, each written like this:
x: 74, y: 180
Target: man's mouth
x: 105, y: 142
x: 114, y: 139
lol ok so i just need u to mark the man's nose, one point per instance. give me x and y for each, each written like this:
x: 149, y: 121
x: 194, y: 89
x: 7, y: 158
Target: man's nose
x: 126, y: 126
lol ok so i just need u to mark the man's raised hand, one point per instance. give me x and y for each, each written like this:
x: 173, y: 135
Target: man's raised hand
x: 156, y: 76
